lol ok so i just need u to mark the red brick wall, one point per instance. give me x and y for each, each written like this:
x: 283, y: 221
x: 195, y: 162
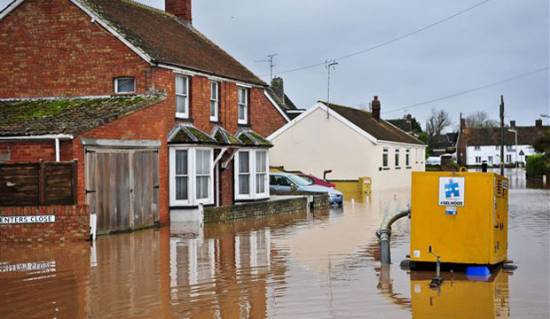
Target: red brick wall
x: 38, y: 35
x: 29, y: 151
x: 72, y: 223
x: 264, y: 117
x: 52, y: 49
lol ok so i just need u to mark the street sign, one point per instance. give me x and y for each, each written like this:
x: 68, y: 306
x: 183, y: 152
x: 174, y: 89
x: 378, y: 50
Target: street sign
x: 37, y: 219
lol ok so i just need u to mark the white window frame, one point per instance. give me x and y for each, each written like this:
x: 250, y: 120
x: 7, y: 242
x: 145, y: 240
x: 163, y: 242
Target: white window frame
x: 115, y: 82
x: 397, y: 158
x: 214, y: 88
x: 192, y: 177
x: 182, y: 115
x: 252, y: 173
x: 386, y: 153
x: 246, y: 104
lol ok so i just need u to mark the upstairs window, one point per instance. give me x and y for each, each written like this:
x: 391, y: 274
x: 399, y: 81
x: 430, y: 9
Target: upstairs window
x: 125, y: 85
x: 214, y: 101
x: 385, y: 158
x: 182, y: 96
x: 408, y: 158
x: 477, y: 148
x: 243, y: 105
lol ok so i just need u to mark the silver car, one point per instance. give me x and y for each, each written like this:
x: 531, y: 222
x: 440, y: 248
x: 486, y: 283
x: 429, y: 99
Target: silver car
x: 286, y: 182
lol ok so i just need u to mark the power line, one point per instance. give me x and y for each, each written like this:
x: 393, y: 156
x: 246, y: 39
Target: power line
x: 431, y: 25
x: 470, y: 90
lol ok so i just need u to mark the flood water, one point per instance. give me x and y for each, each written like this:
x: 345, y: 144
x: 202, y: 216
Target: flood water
x: 322, y: 265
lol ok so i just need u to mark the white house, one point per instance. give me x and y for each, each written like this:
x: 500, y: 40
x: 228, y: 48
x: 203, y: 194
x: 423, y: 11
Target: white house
x: 483, y: 144
x: 352, y: 143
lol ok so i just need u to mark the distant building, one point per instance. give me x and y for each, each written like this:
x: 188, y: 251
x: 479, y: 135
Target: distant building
x: 476, y: 145
x: 407, y: 124
x: 443, y: 144
x: 352, y: 143
x: 276, y: 94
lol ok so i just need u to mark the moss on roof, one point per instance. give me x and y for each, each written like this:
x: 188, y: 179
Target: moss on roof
x: 187, y: 134
x: 69, y: 115
x: 223, y: 137
x: 251, y: 138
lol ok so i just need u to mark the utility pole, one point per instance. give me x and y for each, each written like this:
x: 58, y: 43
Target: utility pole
x: 329, y: 65
x: 502, y: 135
x: 271, y: 61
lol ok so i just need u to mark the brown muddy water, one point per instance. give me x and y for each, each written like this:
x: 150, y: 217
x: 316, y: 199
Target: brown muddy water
x: 288, y: 266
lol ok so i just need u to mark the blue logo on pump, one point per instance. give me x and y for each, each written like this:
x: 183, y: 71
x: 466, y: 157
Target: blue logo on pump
x: 451, y: 192
x: 452, y: 189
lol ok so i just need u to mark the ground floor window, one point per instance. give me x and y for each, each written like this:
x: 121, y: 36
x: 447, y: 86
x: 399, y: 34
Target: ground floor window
x: 478, y: 159
x: 191, y: 176
x: 251, y: 174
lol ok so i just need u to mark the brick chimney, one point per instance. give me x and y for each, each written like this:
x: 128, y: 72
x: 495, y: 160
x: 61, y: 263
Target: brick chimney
x: 538, y: 123
x: 375, y: 104
x: 512, y: 123
x: 180, y: 8
x: 278, y: 86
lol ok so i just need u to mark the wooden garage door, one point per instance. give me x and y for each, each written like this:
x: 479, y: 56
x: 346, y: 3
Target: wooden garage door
x: 122, y: 188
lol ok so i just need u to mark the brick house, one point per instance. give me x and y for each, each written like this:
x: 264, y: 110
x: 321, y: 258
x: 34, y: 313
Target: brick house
x: 155, y: 113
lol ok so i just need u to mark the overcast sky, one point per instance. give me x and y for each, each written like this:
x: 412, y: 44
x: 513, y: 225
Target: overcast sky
x: 497, y: 40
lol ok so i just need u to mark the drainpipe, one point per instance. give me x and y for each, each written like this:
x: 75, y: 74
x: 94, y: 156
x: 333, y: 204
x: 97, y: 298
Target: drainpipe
x: 384, y: 234
x: 57, y: 151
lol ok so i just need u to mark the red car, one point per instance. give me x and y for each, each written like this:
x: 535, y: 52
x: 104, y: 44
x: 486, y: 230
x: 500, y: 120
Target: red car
x: 316, y: 181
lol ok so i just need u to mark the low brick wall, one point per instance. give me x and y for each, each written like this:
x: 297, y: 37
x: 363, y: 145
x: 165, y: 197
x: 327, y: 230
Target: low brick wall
x: 319, y: 200
x: 282, y: 205
x: 72, y: 223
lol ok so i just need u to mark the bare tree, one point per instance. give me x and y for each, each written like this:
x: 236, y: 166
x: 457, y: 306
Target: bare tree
x: 437, y: 122
x: 479, y: 120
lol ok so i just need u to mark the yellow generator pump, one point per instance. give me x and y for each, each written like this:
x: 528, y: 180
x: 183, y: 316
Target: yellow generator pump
x: 462, y: 217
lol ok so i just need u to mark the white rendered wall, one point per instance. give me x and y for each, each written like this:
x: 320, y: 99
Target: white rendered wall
x: 315, y: 144
x: 487, y: 151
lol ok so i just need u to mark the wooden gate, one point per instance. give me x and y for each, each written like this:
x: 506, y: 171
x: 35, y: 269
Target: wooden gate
x: 122, y: 188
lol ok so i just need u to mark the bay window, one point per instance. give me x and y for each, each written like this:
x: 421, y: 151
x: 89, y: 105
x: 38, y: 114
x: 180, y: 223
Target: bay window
x: 251, y: 174
x: 182, y: 96
x: 243, y: 105
x: 191, y: 176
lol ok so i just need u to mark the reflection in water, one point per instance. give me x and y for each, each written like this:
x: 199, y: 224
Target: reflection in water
x: 287, y: 266
x: 460, y: 297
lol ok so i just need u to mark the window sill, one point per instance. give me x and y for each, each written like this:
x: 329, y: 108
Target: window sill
x: 383, y: 168
x: 408, y: 167
x: 182, y: 116
x: 214, y: 120
x: 398, y: 168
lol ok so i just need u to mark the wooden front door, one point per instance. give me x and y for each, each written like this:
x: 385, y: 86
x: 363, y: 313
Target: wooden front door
x: 122, y: 188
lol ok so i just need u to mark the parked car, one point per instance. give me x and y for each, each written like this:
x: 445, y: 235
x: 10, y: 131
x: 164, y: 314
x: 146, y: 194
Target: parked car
x: 316, y: 180
x: 286, y: 182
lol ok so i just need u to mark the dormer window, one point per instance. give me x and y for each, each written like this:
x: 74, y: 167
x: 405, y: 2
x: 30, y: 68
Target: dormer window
x: 125, y: 85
